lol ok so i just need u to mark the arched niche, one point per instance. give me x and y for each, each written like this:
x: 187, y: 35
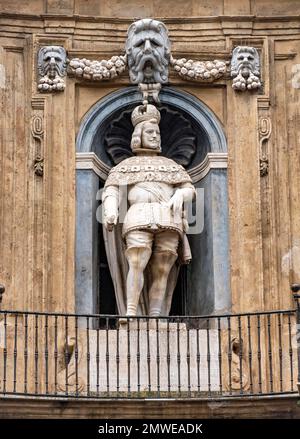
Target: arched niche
x: 100, y: 144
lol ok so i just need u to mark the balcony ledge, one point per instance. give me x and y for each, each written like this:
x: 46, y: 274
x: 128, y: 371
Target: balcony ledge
x: 267, y: 407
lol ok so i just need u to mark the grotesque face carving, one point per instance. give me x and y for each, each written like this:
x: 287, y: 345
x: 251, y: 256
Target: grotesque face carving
x: 245, y: 61
x: 148, y: 52
x: 52, y: 61
x: 151, y: 136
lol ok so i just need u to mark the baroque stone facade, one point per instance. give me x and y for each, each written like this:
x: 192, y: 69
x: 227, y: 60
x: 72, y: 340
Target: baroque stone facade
x: 256, y: 105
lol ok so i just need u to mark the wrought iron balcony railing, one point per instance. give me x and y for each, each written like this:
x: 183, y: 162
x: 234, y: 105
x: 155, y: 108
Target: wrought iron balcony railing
x: 98, y: 356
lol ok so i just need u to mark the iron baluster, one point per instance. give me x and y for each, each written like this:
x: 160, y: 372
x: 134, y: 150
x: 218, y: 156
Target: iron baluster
x: 270, y: 353
x: 55, y: 354
x: 128, y: 357
x: 46, y: 356
x: 138, y: 358
x: 148, y: 358
x: 250, y: 353
x: 15, y: 352
x: 291, y: 352
x: 36, y: 353
x: 88, y: 356
x: 168, y: 357
x: 26, y: 353
x: 229, y: 354
x: 240, y: 354
x: 157, y: 358
x: 208, y: 356
x: 220, y: 357
x: 188, y: 357
x: 259, y: 354
x: 76, y: 356
x: 178, y: 357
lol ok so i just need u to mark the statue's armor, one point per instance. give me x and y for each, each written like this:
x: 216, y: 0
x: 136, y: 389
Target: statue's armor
x: 151, y: 181
x: 147, y: 168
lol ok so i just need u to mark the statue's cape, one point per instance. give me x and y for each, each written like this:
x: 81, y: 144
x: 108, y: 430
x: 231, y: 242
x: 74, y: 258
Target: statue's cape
x: 145, y: 168
x: 138, y: 170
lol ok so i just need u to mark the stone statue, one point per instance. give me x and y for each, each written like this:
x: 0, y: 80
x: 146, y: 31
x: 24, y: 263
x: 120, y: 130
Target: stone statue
x: 148, y: 51
x: 154, y: 227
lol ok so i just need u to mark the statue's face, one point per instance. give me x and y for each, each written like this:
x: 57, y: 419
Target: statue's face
x: 52, y: 61
x: 148, y: 52
x: 245, y: 60
x: 151, y: 136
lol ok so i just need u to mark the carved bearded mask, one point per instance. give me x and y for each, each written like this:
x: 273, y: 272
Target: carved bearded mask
x: 52, y: 61
x: 245, y: 60
x: 148, y: 52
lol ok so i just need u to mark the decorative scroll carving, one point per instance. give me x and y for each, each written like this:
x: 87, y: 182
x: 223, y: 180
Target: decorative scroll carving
x: 239, y: 366
x: 179, y: 144
x: 97, y: 70
x: 263, y: 166
x: 52, y: 63
x: 207, y: 71
x: 70, y: 355
x: 37, y: 131
x: 2, y: 291
x: 245, y: 68
x: 265, y: 129
x: 148, y: 51
x: 38, y: 166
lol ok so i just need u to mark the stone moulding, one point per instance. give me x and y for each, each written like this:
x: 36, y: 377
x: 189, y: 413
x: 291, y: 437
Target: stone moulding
x: 90, y: 161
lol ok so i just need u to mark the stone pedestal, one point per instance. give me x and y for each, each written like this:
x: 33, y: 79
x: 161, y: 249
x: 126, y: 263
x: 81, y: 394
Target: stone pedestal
x: 153, y: 359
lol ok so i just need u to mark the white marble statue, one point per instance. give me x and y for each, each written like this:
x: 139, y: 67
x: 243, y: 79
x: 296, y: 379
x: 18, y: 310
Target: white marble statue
x: 154, y: 229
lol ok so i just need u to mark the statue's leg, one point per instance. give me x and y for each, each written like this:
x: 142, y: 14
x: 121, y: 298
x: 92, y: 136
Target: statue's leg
x: 138, y: 252
x: 162, y: 260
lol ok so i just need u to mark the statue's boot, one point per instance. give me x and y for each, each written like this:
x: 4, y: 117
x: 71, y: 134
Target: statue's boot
x: 137, y: 258
x: 160, y: 265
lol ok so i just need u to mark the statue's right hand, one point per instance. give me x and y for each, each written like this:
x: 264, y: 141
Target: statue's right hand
x: 110, y: 222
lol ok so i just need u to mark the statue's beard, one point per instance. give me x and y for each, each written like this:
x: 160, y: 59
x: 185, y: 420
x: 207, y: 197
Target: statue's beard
x: 52, y: 70
x: 149, y: 67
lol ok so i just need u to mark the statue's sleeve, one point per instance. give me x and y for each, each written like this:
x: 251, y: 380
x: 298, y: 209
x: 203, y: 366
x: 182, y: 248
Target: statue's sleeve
x: 110, y: 200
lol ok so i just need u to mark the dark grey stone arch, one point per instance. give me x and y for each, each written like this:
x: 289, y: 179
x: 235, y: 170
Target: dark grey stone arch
x: 208, y: 275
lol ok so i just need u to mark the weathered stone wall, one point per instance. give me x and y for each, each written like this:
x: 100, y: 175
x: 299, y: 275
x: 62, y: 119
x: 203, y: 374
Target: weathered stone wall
x: 37, y: 238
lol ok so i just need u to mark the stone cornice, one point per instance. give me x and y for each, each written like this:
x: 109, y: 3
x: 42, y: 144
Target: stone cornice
x: 199, y: 19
